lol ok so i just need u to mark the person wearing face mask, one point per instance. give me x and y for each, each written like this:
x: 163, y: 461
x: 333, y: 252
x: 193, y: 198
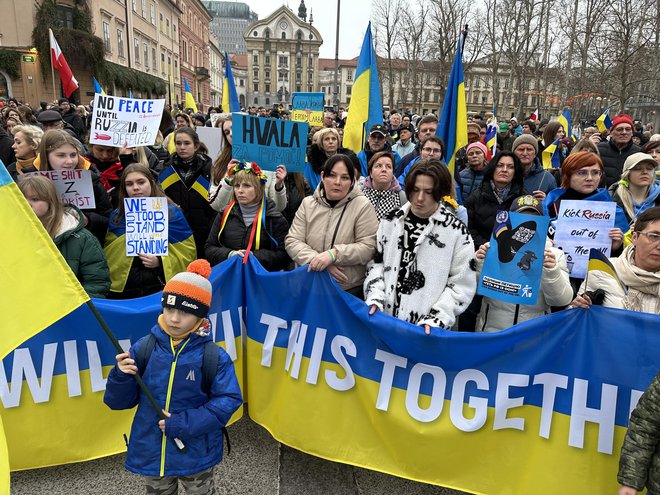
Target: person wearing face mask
x: 138, y: 276
x: 380, y: 186
x: 335, y: 228
x: 423, y: 271
x: 185, y: 179
x: 327, y: 143
x: 638, y: 190
x: 249, y: 223
x: 59, y: 150
x: 64, y: 224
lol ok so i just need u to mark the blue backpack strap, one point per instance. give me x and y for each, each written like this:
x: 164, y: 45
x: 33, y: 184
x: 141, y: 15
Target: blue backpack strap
x: 209, y: 370
x: 143, y: 353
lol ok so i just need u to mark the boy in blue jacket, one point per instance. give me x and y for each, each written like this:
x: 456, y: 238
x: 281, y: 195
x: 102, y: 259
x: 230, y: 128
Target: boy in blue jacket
x: 174, y: 375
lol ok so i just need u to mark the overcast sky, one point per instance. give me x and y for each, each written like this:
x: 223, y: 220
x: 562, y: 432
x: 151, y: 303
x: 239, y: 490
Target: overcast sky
x: 353, y: 23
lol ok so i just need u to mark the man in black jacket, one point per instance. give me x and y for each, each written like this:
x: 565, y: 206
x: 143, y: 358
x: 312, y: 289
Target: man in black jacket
x: 6, y: 151
x: 620, y: 146
x: 73, y: 118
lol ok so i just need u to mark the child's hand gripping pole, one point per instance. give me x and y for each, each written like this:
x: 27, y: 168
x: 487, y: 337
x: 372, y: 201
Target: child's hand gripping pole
x: 143, y: 387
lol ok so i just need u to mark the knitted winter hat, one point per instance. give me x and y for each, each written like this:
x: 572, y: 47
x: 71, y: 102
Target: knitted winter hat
x: 622, y: 119
x: 190, y: 291
x: 526, y: 139
x: 478, y: 145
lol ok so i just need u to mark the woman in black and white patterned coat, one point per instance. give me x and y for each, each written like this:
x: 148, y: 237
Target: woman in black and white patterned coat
x: 423, y: 271
x: 380, y: 186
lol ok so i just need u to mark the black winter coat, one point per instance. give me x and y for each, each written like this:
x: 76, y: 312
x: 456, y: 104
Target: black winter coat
x: 293, y: 197
x: 613, y: 159
x: 193, y: 204
x: 236, y: 236
x: 6, y: 151
x: 482, y: 206
x: 317, y: 157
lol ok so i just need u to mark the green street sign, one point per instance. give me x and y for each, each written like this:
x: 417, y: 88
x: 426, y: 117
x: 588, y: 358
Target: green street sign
x: 28, y: 59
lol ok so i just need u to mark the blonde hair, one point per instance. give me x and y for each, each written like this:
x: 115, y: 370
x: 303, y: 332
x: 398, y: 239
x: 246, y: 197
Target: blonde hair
x: 54, y: 139
x: 585, y: 144
x: 243, y: 176
x: 44, y: 189
x: 318, y: 137
x: 31, y: 133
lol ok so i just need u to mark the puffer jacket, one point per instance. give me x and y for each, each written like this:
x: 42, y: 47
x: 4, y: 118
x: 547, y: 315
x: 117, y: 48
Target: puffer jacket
x: 471, y: 181
x: 614, y: 158
x: 190, y: 193
x: 482, y: 206
x: 236, y: 235
x: 316, y: 222
x: 83, y: 253
x: 197, y: 418
x: 639, y: 464
x: 445, y: 281
x: 538, y: 179
x: 555, y: 290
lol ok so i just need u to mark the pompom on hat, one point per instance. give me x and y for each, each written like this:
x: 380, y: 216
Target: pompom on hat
x: 190, y: 291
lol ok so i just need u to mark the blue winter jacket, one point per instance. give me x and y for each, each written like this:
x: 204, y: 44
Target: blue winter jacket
x: 196, y: 419
x: 539, y: 179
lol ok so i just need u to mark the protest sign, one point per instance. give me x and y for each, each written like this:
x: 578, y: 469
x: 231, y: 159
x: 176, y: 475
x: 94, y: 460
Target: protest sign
x: 269, y: 142
x: 582, y: 225
x: 119, y: 121
x: 146, y: 226
x: 212, y: 138
x: 308, y: 107
x: 74, y: 187
x: 514, y: 262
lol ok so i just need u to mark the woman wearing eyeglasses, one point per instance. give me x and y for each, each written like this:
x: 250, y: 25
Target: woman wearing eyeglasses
x: 638, y: 268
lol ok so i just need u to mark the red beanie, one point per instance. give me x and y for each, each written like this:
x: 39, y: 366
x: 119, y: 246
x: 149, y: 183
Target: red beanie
x: 622, y: 119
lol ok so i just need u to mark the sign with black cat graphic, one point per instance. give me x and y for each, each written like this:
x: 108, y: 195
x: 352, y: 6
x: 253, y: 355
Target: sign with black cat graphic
x: 513, y: 266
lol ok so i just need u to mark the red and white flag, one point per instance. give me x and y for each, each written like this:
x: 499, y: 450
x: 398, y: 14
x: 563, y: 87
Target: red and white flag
x: 535, y: 115
x: 69, y: 83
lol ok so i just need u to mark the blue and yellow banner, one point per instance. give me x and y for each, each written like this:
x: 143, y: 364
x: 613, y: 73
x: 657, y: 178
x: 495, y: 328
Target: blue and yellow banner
x: 51, y: 387
x: 229, y: 95
x: 189, y: 101
x: 565, y: 120
x: 604, y: 122
x: 498, y: 413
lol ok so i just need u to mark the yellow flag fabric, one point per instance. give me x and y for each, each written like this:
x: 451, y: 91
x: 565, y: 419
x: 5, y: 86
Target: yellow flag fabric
x: 4, y: 462
x: 38, y: 287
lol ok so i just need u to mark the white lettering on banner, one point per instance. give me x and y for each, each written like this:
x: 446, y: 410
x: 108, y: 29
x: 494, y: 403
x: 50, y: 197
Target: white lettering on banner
x: 23, y: 365
x: 505, y: 399
x: 437, y: 392
x: 338, y: 343
x: 317, y: 354
x: 635, y: 395
x: 228, y: 330
x: 604, y: 416
x: 503, y: 402
x: 479, y: 404
x: 550, y: 382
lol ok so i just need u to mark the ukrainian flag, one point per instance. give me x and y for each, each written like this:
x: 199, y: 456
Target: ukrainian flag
x: 190, y: 101
x: 565, y: 120
x: 229, y: 96
x: 604, y: 122
x: 598, y: 261
x: 551, y: 157
x: 97, y: 87
x: 452, y: 126
x: 490, y: 138
x: 366, y: 107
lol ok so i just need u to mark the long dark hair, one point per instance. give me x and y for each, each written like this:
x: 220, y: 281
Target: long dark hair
x: 518, y: 176
x: 156, y: 189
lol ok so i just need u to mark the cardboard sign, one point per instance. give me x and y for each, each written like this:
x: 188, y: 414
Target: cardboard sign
x: 582, y: 225
x: 74, y: 187
x: 146, y: 226
x: 269, y: 142
x: 212, y: 138
x: 308, y: 107
x: 514, y: 262
x: 119, y: 121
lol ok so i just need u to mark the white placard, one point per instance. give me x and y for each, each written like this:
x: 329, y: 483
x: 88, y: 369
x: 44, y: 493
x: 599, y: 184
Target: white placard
x: 582, y: 225
x: 74, y: 187
x: 119, y: 121
x: 212, y: 138
x: 146, y: 226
